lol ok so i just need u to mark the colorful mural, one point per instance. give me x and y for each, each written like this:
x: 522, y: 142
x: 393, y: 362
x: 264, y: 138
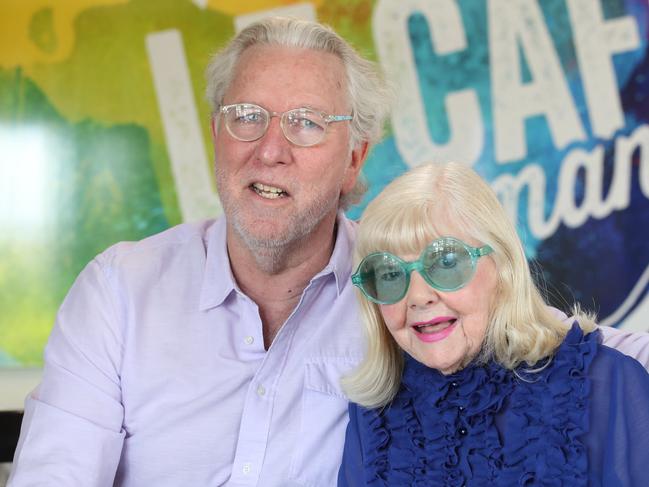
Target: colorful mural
x: 104, y: 131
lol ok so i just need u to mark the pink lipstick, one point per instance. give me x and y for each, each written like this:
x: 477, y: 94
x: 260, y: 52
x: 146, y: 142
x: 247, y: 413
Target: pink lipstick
x: 434, y: 330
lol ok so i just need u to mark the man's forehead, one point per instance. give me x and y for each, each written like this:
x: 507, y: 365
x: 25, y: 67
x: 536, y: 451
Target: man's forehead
x: 304, y: 77
x: 303, y: 59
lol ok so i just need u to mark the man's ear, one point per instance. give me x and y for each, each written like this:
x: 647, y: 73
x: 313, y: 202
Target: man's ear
x: 214, y: 126
x: 358, y: 156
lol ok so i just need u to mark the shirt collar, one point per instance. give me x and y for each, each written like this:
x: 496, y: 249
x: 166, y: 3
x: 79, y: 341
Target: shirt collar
x: 340, y: 263
x: 218, y: 280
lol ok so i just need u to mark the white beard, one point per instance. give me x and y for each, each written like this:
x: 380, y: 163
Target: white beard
x: 271, y: 250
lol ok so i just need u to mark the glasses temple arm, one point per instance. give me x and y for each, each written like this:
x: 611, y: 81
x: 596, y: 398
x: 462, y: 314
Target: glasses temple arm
x: 338, y: 118
x: 482, y: 251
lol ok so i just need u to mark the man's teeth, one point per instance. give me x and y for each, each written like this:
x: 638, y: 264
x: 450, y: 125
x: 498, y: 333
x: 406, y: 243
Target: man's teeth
x: 270, y: 192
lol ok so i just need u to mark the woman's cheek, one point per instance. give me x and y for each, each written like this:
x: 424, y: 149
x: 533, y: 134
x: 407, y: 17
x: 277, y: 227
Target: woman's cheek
x: 394, y: 315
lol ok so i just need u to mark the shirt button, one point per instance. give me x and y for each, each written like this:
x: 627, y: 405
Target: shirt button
x: 463, y: 431
x: 461, y: 408
x: 454, y: 384
x: 261, y: 391
x: 246, y: 468
x: 249, y: 340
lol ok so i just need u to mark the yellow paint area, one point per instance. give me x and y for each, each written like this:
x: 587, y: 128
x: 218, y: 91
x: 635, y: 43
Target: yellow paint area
x: 40, y: 31
x: 238, y: 7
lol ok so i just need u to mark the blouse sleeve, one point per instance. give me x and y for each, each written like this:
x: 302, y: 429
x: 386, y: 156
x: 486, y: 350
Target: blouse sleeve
x: 632, y: 343
x: 618, y: 442
x: 351, y: 473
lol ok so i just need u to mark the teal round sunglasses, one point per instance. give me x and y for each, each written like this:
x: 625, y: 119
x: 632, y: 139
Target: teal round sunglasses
x: 447, y: 264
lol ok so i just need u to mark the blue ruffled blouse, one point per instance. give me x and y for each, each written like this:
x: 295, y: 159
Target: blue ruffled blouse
x: 583, y: 420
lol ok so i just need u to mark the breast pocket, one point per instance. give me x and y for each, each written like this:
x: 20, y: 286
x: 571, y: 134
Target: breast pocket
x: 323, y: 422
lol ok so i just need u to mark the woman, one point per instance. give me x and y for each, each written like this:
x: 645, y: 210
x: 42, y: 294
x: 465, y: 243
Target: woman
x: 470, y: 378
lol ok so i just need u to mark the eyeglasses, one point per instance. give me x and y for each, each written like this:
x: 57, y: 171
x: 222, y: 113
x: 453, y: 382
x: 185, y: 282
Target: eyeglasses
x: 301, y: 126
x: 447, y: 264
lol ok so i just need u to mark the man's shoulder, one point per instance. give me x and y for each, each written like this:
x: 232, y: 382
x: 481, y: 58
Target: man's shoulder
x: 185, y: 239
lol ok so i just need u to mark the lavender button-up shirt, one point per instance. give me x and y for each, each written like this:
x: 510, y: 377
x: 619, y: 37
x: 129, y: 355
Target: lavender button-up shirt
x: 156, y: 374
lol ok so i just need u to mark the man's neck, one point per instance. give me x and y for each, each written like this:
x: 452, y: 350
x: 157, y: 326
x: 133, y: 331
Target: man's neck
x: 277, y: 290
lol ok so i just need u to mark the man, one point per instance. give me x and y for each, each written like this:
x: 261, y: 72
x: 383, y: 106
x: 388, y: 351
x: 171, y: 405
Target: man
x: 211, y: 354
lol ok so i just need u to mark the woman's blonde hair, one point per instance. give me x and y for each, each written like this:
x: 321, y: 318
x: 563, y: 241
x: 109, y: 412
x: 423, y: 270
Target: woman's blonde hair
x: 435, y: 200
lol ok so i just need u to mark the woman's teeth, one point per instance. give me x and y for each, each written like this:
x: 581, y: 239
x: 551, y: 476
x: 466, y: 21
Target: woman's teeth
x: 436, y: 328
x: 269, y: 192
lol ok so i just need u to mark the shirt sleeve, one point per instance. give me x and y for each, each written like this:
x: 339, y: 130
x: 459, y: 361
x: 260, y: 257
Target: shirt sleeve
x: 618, y: 442
x: 633, y: 344
x: 72, y: 429
x: 351, y: 473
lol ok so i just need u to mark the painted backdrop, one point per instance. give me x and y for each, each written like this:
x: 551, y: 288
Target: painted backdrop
x: 104, y: 131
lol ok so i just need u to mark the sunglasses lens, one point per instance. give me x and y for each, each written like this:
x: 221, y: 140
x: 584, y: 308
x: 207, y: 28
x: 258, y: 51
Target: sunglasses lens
x: 383, y: 278
x: 447, y: 264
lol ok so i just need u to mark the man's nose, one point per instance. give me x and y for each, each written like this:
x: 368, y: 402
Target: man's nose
x: 273, y: 147
x: 420, y: 293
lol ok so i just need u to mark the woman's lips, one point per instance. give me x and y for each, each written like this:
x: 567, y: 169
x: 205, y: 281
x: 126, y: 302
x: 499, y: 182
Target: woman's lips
x: 434, y: 330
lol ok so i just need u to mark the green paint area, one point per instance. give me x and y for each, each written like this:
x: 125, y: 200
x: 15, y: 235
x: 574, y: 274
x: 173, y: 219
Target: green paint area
x: 41, y: 30
x: 352, y: 19
x: 108, y: 78
x: 94, y: 185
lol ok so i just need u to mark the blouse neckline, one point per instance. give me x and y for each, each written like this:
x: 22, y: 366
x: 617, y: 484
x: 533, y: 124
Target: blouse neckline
x: 485, y: 425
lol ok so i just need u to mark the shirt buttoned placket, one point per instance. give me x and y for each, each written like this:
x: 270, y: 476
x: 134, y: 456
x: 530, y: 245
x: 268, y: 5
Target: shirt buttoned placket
x: 260, y: 399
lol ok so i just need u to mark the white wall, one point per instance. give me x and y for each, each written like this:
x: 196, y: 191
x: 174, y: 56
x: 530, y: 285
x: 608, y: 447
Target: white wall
x: 16, y: 384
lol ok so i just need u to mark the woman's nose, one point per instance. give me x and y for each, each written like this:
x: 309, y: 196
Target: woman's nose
x: 420, y: 293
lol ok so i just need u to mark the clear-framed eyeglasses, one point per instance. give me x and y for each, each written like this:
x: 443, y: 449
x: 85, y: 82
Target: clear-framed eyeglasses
x: 301, y: 126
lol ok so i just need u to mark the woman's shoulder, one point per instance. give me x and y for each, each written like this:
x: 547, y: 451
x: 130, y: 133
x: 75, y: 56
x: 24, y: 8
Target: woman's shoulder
x: 601, y: 357
x: 577, y: 339
x: 619, y: 417
x: 607, y: 370
x: 576, y: 352
x: 612, y: 362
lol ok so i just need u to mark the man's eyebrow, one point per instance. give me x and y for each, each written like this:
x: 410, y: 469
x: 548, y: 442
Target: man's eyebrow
x: 318, y: 109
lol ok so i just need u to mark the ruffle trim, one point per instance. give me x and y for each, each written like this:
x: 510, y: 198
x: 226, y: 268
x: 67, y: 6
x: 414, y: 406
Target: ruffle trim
x: 441, y: 430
